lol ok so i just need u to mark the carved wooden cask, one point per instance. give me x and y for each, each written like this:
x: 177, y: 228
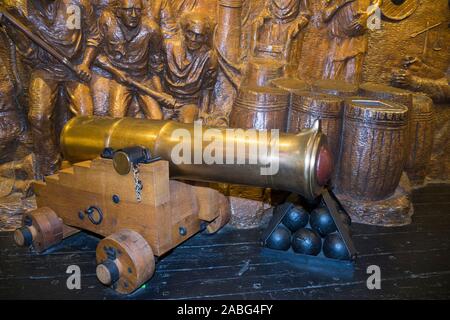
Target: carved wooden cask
x: 421, y: 138
x: 260, y: 108
x: 373, y: 153
x: 420, y: 144
x: 309, y: 107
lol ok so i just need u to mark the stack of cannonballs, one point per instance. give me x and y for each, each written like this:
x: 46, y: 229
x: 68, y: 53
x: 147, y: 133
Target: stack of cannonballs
x: 311, y: 234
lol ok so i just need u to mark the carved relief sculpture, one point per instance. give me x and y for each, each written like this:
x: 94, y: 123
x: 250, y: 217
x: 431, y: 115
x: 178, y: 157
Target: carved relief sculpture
x: 272, y: 64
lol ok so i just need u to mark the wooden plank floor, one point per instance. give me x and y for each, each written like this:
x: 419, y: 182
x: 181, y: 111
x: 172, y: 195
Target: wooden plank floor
x: 414, y: 261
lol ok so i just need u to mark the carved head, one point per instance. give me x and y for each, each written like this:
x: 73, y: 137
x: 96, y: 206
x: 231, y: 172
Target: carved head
x: 196, y: 28
x: 130, y: 12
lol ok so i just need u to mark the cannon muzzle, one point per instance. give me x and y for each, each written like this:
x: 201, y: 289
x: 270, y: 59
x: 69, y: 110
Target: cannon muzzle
x: 299, y: 163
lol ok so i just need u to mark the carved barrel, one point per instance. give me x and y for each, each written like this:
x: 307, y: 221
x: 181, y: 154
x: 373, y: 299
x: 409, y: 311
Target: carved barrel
x: 420, y: 143
x: 421, y: 138
x: 309, y: 107
x: 373, y: 153
x: 260, y: 108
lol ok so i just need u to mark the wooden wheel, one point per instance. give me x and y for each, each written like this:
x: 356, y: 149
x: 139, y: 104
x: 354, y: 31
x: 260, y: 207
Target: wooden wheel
x: 223, y: 218
x: 42, y: 228
x: 125, y: 261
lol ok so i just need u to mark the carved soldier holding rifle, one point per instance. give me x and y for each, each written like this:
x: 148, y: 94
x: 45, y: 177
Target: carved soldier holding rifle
x: 59, y: 39
x: 132, y: 56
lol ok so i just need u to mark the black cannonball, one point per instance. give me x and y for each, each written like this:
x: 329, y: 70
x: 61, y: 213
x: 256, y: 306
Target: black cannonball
x: 307, y: 241
x: 311, y: 204
x: 322, y: 222
x: 280, y: 239
x: 334, y: 247
x: 296, y: 218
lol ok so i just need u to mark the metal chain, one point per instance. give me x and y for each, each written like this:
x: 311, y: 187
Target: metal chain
x: 137, y: 183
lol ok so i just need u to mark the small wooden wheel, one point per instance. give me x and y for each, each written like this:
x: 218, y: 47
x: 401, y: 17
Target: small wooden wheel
x: 223, y: 218
x: 125, y: 261
x: 42, y: 228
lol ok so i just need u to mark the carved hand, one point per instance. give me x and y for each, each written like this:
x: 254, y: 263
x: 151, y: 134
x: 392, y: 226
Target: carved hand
x: 84, y: 72
x: 171, y: 102
x: 402, y: 78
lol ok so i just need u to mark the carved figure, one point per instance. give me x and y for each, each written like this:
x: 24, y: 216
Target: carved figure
x: 131, y: 45
x: 435, y: 84
x: 347, y: 23
x: 159, y: 10
x: 51, y: 20
x: 275, y: 33
x: 277, y: 27
x: 192, y: 66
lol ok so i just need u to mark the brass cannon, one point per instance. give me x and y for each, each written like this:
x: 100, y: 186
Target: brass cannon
x: 131, y: 196
x: 303, y: 161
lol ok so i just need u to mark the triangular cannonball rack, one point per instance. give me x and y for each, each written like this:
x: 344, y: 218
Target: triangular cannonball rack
x: 329, y: 201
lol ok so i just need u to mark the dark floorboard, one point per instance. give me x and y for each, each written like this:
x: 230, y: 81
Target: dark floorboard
x: 414, y: 261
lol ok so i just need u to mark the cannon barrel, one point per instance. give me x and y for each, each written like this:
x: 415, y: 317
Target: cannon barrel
x: 299, y: 163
